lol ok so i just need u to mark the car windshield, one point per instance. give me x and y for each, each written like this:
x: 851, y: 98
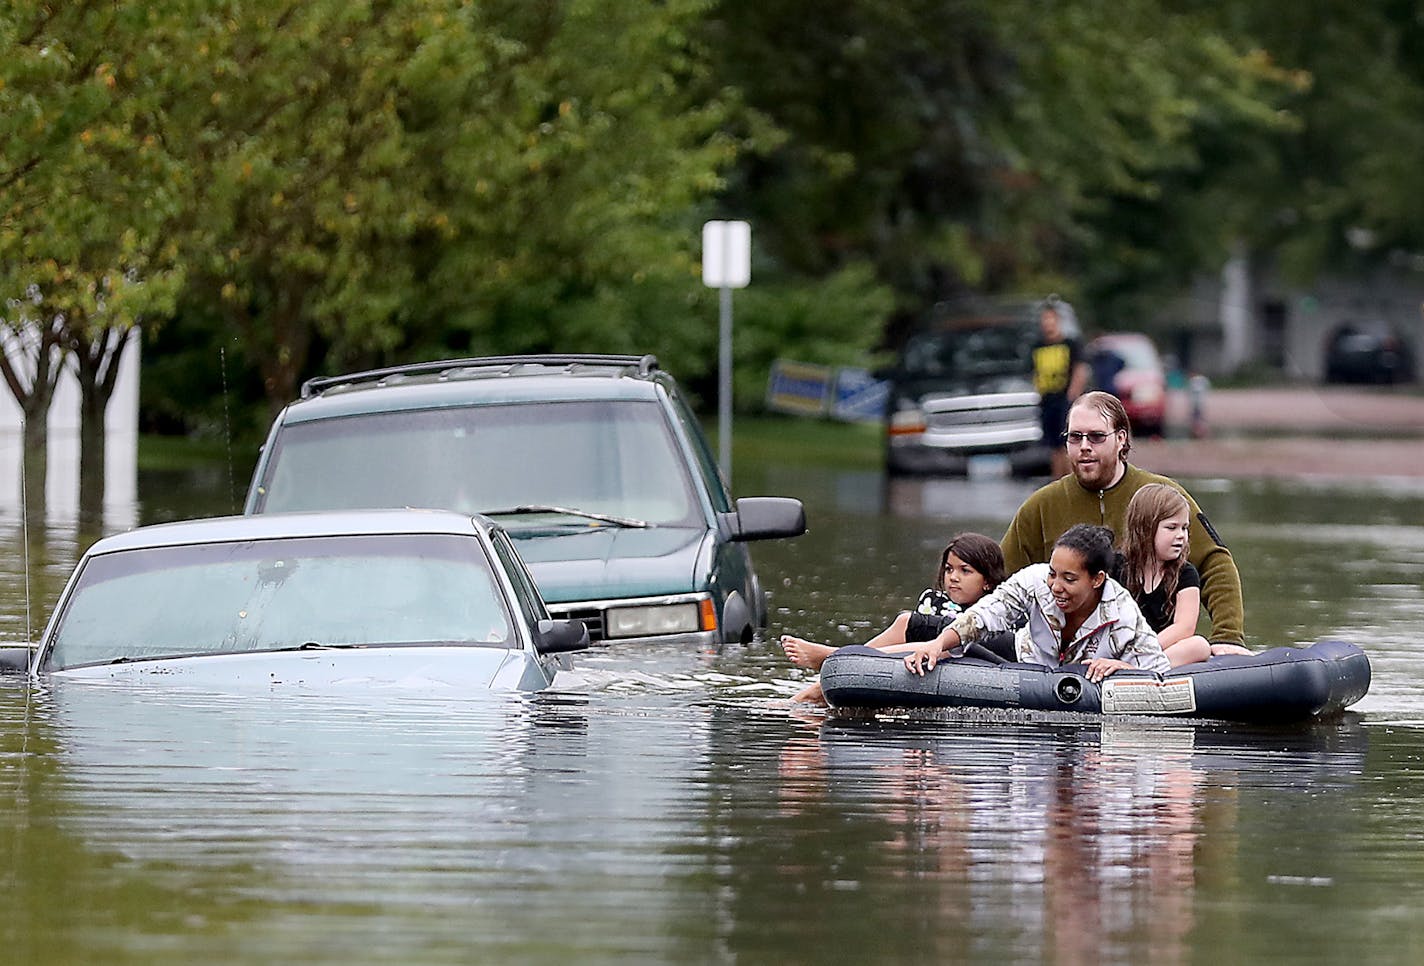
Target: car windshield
x: 615, y: 458
x: 983, y: 351
x: 226, y: 598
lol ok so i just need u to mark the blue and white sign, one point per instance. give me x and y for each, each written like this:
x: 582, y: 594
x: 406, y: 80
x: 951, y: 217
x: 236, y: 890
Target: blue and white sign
x: 859, y: 396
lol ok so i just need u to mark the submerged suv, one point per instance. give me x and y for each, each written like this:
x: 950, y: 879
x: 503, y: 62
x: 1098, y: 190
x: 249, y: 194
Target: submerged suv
x: 961, y: 390
x: 594, y: 464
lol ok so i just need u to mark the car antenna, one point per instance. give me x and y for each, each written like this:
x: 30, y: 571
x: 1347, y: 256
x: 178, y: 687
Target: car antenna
x: 227, y: 431
x: 24, y: 542
x: 25, y: 550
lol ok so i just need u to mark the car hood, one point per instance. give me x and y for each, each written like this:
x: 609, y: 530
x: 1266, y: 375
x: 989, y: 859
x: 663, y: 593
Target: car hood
x: 606, y: 563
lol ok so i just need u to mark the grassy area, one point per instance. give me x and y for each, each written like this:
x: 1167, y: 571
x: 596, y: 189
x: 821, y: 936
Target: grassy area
x: 181, y: 452
x: 817, y: 442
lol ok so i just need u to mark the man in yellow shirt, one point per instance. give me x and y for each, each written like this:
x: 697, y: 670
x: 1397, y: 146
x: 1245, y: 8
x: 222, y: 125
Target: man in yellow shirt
x: 1059, y: 374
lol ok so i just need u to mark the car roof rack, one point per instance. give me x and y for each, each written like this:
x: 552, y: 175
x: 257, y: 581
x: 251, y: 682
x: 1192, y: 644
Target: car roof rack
x: 645, y: 364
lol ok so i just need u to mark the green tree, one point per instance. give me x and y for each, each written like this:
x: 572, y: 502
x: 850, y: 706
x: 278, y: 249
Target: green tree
x: 86, y: 188
x: 376, y: 178
x: 1346, y: 190
x: 570, y: 180
x: 973, y: 144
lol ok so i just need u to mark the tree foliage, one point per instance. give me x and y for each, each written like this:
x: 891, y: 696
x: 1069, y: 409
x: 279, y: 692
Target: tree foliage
x: 975, y: 145
x: 86, y: 190
x: 320, y: 185
x: 380, y: 178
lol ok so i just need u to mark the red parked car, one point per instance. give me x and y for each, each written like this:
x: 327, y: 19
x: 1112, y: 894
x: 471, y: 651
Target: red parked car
x: 1127, y: 365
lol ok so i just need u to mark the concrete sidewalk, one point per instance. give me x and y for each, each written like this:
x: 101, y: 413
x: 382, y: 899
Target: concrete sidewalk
x: 1325, y: 433
x: 1315, y: 411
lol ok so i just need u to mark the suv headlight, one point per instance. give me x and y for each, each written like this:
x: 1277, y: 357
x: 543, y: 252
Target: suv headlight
x: 908, y: 420
x: 652, y: 620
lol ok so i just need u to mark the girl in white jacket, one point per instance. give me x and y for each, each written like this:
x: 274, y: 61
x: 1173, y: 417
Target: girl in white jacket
x: 1067, y: 611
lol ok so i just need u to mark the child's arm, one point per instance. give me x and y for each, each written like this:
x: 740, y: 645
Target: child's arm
x: 1184, y: 619
x: 1004, y: 608
x: 892, y: 635
x: 922, y: 657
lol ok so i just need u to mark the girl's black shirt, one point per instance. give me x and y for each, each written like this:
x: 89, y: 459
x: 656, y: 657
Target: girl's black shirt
x: 1154, y: 605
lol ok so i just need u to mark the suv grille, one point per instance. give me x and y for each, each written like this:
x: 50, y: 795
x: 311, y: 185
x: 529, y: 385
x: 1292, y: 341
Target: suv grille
x: 592, y: 618
x: 982, y: 412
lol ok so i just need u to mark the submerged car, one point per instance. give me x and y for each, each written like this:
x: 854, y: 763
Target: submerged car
x: 961, y: 392
x: 431, y: 600
x: 1127, y: 365
x: 595, y: 465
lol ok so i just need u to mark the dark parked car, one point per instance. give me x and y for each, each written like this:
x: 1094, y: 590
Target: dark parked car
x: 1127, y: 365
x: 595, y: 465
x: 1375, y: 352
x: 961, y: 390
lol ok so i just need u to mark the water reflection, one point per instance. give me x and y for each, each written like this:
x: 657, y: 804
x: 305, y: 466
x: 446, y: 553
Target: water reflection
x: 422, y: 828
x: 1068, y: 841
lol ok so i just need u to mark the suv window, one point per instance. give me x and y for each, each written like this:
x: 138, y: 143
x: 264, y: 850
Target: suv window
x: 610, y: 456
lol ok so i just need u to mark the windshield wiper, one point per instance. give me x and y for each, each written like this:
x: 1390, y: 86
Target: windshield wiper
x: 567, y: 511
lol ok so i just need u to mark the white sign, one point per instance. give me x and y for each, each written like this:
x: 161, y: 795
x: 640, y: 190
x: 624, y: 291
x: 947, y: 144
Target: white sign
x: 726, y: 254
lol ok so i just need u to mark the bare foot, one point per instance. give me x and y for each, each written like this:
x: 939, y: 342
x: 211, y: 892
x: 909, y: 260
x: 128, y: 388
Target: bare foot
x: 811, y: 694
x: 807, y: 654
x: 1219, y: 649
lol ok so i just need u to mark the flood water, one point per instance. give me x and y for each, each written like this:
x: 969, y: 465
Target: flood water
x: 664, y: 805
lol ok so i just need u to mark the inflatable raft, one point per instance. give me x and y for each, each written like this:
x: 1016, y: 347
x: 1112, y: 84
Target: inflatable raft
x: 1282, y: 684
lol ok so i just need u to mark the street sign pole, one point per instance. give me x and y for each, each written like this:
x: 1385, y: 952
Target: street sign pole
x: 726, y: 264
x: 724, y: 383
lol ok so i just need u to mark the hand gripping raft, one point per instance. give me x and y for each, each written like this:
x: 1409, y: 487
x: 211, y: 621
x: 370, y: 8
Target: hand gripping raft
x: 1282, y: 684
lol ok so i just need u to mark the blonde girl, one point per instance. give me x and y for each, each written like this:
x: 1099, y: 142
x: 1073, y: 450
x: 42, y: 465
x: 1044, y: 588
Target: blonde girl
x: 1155, y: 570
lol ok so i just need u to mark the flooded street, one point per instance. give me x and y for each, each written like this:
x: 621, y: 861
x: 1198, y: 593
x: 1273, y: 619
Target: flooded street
x: 662, y: 805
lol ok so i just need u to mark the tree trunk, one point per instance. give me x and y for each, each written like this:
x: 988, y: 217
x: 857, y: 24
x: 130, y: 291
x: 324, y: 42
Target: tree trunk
x: 281, y: 342
x: 92, y: 404
x: 35, y: 460
x: 97, y: 363
x: 46, y: 357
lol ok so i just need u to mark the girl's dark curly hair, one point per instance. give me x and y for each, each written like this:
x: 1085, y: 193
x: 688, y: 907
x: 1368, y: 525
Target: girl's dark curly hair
x: 1094, y: 544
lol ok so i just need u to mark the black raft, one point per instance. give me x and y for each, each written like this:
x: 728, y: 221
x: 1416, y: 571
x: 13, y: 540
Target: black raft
x: 1282, y: 684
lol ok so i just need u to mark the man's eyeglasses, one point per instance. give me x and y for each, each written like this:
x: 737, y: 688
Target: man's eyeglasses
x: 1096, y: 438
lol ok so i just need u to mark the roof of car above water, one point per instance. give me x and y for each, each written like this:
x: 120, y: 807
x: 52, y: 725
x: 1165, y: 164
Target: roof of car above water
x: 278, y: 526
x: 496, y: 380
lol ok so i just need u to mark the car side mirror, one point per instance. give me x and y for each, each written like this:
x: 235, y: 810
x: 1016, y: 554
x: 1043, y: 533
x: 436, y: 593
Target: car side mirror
x: 767, y: 518
x: 15, y: 660
x: 560, y: 637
